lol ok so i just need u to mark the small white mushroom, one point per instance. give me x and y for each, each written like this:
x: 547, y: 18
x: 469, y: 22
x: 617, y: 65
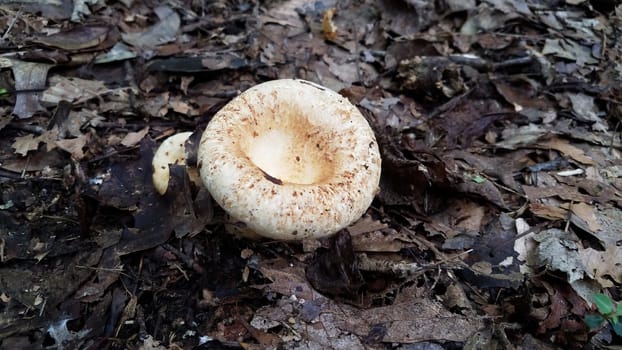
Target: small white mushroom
x: 171, y: 151
x: 290, y: 160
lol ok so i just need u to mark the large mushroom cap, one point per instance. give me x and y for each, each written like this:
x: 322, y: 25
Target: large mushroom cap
x: 291, y: 160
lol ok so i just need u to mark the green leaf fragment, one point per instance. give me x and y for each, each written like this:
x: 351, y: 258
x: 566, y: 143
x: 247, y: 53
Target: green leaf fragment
x: 593, y: 321
x: 603, y: 303
x: 478, y: 179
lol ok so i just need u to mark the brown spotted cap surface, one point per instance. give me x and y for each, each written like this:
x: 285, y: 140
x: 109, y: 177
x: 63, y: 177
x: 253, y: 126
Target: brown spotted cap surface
x: 290, y: 160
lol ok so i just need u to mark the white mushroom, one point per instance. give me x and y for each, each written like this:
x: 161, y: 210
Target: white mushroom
x: 291, y: 160
x: 171, y: 151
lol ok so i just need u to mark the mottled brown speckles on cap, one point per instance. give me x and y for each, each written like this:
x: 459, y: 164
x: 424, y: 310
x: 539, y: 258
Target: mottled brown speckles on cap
x: 334, y: 132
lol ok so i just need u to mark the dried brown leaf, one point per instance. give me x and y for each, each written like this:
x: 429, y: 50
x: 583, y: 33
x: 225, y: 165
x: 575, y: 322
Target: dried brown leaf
x: 328, y: 26
x: 29, y: 76
x: 548, y: 212
x: 587, y: 213
x: 567, y: 149
x: 604, y: 265
x: 74, y: 146
x: 133, y: 138
x: 26, y: 143
x: 76, y: 38
x: 163, y: 32
x: 73, y: 89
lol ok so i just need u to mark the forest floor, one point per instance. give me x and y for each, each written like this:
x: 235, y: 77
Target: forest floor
x: 498, y: 224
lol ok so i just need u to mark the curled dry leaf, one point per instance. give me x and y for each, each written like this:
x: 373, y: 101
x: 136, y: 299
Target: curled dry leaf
x: 328, y: 26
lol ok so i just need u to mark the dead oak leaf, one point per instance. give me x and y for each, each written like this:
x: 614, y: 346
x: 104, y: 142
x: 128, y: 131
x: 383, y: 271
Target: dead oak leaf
x: 24, y: 144
x: 5, y: 119
x: 183, y: 107
x: 73, y: 89
x: 133, y: 138
x: 164, y: 31
x: 567, y: 149
x: 409, y: 322
x: 562, y: 191
x: 547, y: 211
x: 74, y: 146
x: 76, y: 38
x: 559, y: 251
x: 605, y: 265
x: 49, y: 137
x: 586, y: 213
x: 558, y: 310
x: 157, y: 105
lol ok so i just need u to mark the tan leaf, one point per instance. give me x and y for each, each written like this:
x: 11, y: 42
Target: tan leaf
x: 604, y: 265
x: 5, y: 119
x: 134, y: 138
x: 49, y: 137
x: 29, y: 75
x: 328, y: 26
x: 74, y: 146
x: 72, y: 90
x: 77, y: 38
x: 24, y: 144
x: 547, y: 211
x: 567, y: 149
x: 587, y: 214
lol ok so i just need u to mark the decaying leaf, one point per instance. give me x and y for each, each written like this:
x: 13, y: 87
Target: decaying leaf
x: 569, y: 49
x: 55, y: 9
x: 587, y: 213
x: 77, y: 38
x: 567, y: 149
x: 133, y: 138
x: 161, y: 33
x: 74, y: 90
x: 328, y: 26
x: 24, y: 144
x: 74, y: 146
x: 558, y: 250
x: 606, y: 265
x: 29, y: 76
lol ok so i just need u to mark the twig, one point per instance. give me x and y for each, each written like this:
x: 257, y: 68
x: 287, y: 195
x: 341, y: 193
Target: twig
x: 568, y: 217
x: 486, y: 65
x: 135, y: 126
x: 189, y: 261
x: 209, y: 23
x: 449, y: 105
x: 400, y: 268
x: 35, y: 129
x: 222, y: 94
x: 9, y: 174
x: 531, y: 230
x: 11, y: 24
